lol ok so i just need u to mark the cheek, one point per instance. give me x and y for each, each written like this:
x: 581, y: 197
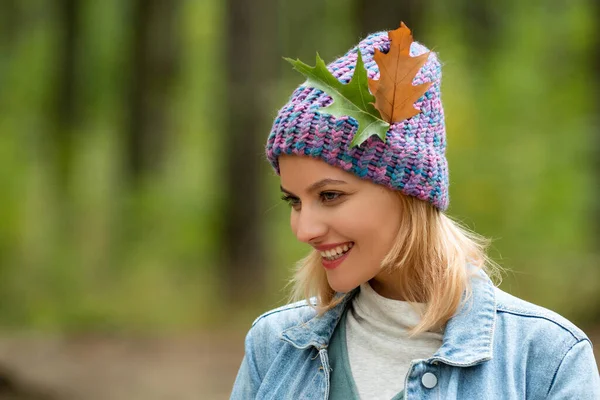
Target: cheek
x: 293, y: 222
x: 376, y: 227
x: 365, y: 217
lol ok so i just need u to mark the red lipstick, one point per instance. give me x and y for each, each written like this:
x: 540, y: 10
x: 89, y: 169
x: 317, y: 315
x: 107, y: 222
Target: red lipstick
x: 331, y: 264
x: 324, y: 247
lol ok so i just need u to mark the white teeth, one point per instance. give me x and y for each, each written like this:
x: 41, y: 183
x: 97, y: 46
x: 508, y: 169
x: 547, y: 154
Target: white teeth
x: 337, y: 252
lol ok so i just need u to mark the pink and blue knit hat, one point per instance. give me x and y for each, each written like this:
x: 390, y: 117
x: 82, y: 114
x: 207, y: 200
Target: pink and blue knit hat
x: 412, y: 159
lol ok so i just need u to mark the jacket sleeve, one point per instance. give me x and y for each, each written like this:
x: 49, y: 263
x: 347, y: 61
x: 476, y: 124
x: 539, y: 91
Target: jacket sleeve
x: 577, y: 375
x: 248, y: 380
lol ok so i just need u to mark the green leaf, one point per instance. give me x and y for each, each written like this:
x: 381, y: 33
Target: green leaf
x: 353, y: 99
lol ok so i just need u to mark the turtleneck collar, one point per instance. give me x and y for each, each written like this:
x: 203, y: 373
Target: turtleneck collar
x: 468, y: 336
x: 388, y: 317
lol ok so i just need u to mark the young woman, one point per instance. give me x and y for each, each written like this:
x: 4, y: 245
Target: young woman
x: 398, y: 301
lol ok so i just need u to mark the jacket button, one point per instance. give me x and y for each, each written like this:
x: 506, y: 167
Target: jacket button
x: 429, y: 380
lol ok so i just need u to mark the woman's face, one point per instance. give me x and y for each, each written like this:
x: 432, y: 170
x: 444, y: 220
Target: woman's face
x: 333, y: 207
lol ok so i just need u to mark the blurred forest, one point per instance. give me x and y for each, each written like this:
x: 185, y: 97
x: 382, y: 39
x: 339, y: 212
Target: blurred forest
x: 137, y: 200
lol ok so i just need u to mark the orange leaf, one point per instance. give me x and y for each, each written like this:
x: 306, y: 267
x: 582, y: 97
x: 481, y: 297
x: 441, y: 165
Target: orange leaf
x: 394, y: 92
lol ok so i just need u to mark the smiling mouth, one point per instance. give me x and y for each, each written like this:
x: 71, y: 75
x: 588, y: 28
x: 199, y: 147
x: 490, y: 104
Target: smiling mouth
x: 340, y: 251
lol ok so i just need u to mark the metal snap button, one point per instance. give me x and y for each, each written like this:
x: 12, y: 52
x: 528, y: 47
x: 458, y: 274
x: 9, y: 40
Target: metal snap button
x: 429, y: 380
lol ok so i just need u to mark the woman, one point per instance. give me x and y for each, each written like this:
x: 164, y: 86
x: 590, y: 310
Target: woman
x: 398, y: 299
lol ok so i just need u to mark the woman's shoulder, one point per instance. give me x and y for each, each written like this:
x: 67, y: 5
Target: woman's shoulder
x: 271, y: 323
x: 555, y: 356
x: 522, y: 314
x: 264, y: 339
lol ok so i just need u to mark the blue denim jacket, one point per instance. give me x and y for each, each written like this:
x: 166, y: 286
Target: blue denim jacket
x: 496, y: 347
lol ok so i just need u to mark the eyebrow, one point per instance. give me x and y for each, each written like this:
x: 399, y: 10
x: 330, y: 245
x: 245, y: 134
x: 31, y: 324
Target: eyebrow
x: 318, y: 185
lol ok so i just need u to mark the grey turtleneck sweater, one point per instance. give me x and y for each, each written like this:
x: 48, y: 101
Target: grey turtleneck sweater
x: 379, y: 350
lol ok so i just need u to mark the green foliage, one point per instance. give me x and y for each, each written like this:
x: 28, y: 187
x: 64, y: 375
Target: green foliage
x: 520, y: 133
x: 352, y: 99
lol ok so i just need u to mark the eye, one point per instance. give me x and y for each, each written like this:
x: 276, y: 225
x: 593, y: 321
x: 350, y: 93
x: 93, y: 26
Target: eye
x: 330, y: 196
x: 326, y: 197
x: 292, y: 201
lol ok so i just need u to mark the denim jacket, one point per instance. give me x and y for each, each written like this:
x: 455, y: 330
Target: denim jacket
x: 495, y: 347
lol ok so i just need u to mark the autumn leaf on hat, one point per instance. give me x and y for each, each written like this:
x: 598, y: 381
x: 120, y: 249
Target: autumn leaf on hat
x: 390, y: 99
x: 353, y: 99
x: 394, y: 90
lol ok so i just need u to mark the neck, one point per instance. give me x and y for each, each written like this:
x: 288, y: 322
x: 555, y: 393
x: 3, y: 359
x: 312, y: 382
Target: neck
x: 389, y: 289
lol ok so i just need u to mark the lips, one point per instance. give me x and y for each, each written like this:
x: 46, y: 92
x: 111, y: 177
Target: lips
x: 325, y: 247
x: 336, y: 252
x: 332, y: 264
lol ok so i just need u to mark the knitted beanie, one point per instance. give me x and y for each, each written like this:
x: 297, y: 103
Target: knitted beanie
x: 412, y: 159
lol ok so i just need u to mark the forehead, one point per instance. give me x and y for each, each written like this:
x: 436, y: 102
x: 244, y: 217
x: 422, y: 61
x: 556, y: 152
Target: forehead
x: 302, y: 170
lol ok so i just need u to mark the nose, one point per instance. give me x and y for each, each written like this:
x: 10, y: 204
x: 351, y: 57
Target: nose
x: 308, y: 225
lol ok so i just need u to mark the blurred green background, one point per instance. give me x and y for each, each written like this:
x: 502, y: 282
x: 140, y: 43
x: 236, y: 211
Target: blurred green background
x: 141, y: 228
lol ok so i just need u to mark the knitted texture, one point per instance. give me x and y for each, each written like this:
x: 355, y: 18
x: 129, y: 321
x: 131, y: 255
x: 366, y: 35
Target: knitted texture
x: 411, y: 160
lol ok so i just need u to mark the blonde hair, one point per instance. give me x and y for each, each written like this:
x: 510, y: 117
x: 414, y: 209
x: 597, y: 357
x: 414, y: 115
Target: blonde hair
x: 430, y: 255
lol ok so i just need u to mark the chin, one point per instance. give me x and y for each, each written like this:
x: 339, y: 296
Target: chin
x: 342, y: 287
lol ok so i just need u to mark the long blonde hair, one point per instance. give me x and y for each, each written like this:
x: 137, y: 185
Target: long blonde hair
x: 429, y: 256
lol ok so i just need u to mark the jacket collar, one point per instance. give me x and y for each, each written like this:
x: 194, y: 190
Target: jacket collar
x: 318, y: 331
x: 468, y: 337
x: 469, y: 334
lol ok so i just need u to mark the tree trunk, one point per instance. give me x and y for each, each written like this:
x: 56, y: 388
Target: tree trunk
x: 66, y: 111
x: 10, y: 21
x: 155, y: 56
x: 251, y: 61
x: 482, y: 22
x: 596, y: 144
x: 374, y: 16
